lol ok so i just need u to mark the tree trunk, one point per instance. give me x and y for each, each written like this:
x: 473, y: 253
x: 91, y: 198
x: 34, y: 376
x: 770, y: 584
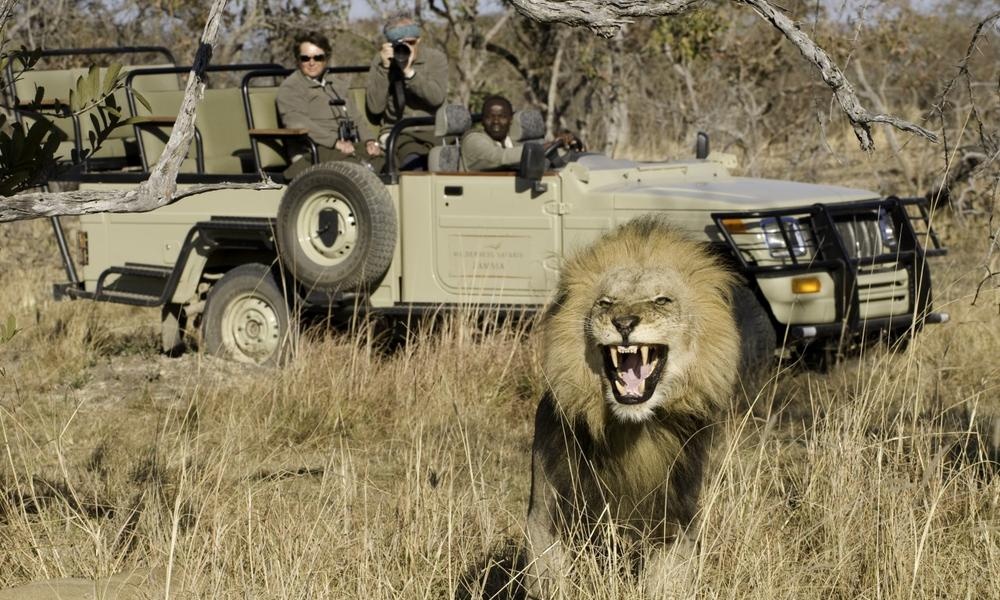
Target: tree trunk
x: 617, y: 123
x: 553, y: 95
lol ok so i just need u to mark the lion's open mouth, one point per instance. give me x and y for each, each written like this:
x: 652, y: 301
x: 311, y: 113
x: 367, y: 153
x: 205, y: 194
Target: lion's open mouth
x: 634, y: 370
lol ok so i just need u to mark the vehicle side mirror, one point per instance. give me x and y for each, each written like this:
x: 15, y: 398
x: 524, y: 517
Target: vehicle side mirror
x: 701, y: 146
x: 531, y: 168
x: 533, y: 161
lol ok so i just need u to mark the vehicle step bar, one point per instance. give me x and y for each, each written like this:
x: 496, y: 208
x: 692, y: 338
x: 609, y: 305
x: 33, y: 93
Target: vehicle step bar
x: 213, y: 232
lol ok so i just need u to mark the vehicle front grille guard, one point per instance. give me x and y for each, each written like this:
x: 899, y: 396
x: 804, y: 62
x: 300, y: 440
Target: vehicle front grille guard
x: 826, y: 250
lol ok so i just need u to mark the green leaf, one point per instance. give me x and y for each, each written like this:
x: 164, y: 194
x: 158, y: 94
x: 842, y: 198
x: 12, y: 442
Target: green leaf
x: 17, y: 142
x: 111, y: 78
x: 133, y: 121
x: 37, y: 132
x: 142, y: 101
x: 8, y: 330
x: 92, y: 83
x: 111, y: 103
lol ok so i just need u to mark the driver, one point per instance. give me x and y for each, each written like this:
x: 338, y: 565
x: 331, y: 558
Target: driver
x: 490, y: 148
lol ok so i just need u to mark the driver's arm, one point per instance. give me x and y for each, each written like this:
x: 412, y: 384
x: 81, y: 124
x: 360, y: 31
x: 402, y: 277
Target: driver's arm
x: 480, y: 153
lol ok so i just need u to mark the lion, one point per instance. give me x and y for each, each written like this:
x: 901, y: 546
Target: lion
x: 640, y: 353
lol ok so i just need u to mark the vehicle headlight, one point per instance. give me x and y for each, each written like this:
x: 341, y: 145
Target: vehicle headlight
x: 777, y: 244
x: 887, y: 229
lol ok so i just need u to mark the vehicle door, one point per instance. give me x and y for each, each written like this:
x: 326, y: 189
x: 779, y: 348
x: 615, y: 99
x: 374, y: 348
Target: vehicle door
x: 497, y: 238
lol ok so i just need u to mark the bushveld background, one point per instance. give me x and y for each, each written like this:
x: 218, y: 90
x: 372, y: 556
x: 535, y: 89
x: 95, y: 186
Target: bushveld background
x: 363, y: 471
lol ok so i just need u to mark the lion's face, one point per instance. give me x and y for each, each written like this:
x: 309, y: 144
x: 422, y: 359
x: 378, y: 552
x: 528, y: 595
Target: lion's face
x: 639, y: 333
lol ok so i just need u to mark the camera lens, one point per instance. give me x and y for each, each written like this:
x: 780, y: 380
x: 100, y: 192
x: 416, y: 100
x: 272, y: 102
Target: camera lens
x: 401, y: 54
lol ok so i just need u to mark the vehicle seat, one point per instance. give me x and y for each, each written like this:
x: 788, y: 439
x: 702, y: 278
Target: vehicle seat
x: 57, y: 84
x: 119, y: 148
x: 450, y: 123
x: 527, y: 125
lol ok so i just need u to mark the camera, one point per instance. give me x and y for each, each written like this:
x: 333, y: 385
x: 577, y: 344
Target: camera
x: 401, y: 52
x: 348, y: 130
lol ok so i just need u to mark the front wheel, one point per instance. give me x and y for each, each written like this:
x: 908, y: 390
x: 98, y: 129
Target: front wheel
x: 757, y: 337
x: 246, y: 317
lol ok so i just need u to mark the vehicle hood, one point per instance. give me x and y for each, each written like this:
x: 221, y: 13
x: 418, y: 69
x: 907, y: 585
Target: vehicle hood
x: 733, y: 193
x: 703, y: 186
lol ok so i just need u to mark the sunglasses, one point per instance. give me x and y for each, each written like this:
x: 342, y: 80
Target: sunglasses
x: 317, y: 58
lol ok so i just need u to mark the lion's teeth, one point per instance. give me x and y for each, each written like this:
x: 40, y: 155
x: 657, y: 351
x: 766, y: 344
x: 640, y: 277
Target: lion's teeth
x: 620, y: 387
x: 627, y: 349
x: 614, y: 357
x: 645, y: 353
x: 642, y: 387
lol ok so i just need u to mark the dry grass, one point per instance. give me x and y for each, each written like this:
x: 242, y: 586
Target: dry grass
x: 355, y: 472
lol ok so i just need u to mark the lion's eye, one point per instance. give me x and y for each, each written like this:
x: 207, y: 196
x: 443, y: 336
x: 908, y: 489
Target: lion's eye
x: 662, y: 300
x: 605, y: 302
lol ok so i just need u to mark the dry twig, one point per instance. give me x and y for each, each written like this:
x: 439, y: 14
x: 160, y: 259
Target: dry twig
x: 605, y: 18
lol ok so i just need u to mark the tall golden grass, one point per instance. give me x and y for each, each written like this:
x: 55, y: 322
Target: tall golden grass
x: 358, y: 471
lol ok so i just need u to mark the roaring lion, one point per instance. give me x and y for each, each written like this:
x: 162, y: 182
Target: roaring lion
x: 640, y: 352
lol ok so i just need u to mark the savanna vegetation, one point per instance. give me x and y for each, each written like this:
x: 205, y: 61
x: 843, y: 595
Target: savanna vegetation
x: 364, y: 469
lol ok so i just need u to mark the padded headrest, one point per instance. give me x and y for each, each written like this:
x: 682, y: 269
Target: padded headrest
x: 452, y: 119
x: 527, y: 124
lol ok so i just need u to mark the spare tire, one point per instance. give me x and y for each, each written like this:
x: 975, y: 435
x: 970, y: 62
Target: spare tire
x: 336, y: 228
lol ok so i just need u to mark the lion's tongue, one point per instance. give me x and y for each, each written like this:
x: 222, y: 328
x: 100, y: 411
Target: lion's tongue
x: 633, y: 372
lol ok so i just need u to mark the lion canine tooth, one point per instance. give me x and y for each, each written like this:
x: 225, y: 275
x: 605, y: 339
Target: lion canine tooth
x: 614, y: 356
x: 621, y: 388
x: 645, y: 353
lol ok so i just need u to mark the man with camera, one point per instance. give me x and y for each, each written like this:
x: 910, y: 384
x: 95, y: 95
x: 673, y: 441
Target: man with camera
x: 490, y: 148
x: 309, y: 99
x: 407, y: 80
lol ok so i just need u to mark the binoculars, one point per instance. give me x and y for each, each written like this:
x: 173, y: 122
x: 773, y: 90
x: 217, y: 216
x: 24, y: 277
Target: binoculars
x: 348, y: 130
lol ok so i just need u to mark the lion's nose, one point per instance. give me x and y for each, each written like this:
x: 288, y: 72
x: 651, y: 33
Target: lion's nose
x: 625, y: 324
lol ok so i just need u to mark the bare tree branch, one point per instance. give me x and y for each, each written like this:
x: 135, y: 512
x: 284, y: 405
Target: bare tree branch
x: 861, y: 119
x: 82, y: 202
x: 6, y: 6
x: 160, y: 188
x: 605, y: 18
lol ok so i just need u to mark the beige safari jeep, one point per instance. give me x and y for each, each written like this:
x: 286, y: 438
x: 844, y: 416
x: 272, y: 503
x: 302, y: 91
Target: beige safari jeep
x: 821, y: 264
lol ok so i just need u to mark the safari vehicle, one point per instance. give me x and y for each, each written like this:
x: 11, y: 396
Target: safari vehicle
x: 822, y: 264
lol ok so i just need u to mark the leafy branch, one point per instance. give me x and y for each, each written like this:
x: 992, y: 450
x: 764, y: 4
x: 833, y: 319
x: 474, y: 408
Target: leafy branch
x: 28, y: 149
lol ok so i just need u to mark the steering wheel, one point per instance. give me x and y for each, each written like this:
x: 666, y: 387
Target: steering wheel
x: 552, y: 151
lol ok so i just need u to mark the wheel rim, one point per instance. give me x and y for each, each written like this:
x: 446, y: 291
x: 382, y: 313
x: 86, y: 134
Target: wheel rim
x: 251, y: 329
x: 327, y: 228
